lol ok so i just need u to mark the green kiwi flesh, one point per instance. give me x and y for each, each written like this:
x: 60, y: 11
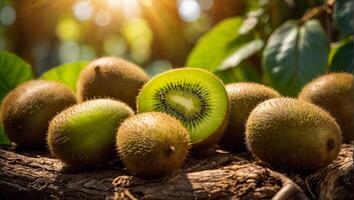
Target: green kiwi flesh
x: 335, y: 93
x: 195, y: 97
x: 152, y: 144
x: 244, y: 97
x: 293, y: 134
x: 111, y: 77
x: 27, y: 110
x: 84, y: 135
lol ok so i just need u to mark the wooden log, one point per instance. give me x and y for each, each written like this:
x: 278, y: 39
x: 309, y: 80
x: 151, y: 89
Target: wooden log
x: 221, y: 176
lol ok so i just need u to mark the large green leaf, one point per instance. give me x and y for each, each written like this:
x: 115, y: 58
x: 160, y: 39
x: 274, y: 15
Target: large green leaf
x: 294, y: 55
x: 13, y: 71
x: 343, y: 15
x: 67, y: 74
x: 241, y: 54
x: 242, y: 73
x: 343, y: 57
x: 218, y: 44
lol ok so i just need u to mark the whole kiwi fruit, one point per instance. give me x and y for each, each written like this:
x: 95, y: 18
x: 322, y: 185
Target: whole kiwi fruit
x: 84, y: 135
x: 111, y: 77
x: 293, y: 134
x: 335, y: 93
x: 195, y: 97
x: 27, y: 110
x: 152, y: 144
x: 244, y: 97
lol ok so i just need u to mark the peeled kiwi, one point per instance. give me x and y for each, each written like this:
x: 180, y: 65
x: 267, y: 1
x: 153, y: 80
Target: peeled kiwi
x: 83, y: 135
x: 335, y: 93
x: 244, y: 97
x: 152, y: 144
x: 111, y: 77
x: 27, y: 110
x: 195, y: 97
x: 293, y: 134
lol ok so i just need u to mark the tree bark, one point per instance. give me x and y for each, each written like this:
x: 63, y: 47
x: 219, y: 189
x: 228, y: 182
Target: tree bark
x: 221, y: 176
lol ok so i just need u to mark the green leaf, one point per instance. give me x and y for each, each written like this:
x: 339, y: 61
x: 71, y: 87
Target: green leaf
x: 343, y: 57
x: 216, y: 45
x: 242, y: 73
x: 13, y: 71
x: 4, y: 140
x: 294, y: 55
x: 343, y: 15
x: 67, y: 74
x: 241, y: 54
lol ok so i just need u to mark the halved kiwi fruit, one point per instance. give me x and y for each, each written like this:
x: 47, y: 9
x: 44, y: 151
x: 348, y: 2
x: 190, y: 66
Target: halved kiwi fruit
x: 27, y: 110
x: 195, y: 97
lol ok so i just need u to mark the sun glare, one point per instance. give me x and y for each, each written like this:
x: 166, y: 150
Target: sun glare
x: 103, y: 11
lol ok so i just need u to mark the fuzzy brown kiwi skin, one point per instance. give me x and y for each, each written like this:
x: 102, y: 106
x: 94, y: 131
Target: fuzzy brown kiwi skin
x: 111, y: 77
x: 152, y: 144
x: 61, y: 133
x: 27, y: 110
x: 243, y: 98
x: 293, y: 135
x: 335, y: 93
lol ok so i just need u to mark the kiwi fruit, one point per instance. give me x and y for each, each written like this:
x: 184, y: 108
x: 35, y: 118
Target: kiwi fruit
x: 27, y: 110
x: 84, y: 135
x: 244, y: 97
x: 335, y: 93
x: 293, y: 134
x: 195, y: 97
x: 111, y: 77
x: 152, y: 144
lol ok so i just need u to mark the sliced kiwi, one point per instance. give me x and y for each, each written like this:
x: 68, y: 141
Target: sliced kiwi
x: 27, y: 110
x: 293, y: 134
x: 111, y: 77
x: 83, y: 135
x: 194, y: 96
x: 244, y: 97
x: 152, y: 144
x: 335, y: 93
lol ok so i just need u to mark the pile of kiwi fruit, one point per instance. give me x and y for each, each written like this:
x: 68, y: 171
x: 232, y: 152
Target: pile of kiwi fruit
x: 154, y: 125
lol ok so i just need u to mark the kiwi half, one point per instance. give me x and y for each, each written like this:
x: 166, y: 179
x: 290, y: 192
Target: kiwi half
x: 195, y: 97
x: 293, y: 134
x: 111, y: 77
x: 152, y: 144
x: 27, y: 110
x: 244, y: 97
x: 84, y: 135
x: 335, y: 93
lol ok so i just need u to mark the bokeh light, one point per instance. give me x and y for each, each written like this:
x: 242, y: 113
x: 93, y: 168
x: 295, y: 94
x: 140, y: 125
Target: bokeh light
x: 189, y: 10
x: 7, y: 15
x: 103, y: 18
x: 83, y: 10
x: 157, y: 33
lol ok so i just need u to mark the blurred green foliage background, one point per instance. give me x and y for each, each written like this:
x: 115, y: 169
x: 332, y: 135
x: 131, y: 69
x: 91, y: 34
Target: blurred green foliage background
x: 155, y: 34
x: 282, y: 43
